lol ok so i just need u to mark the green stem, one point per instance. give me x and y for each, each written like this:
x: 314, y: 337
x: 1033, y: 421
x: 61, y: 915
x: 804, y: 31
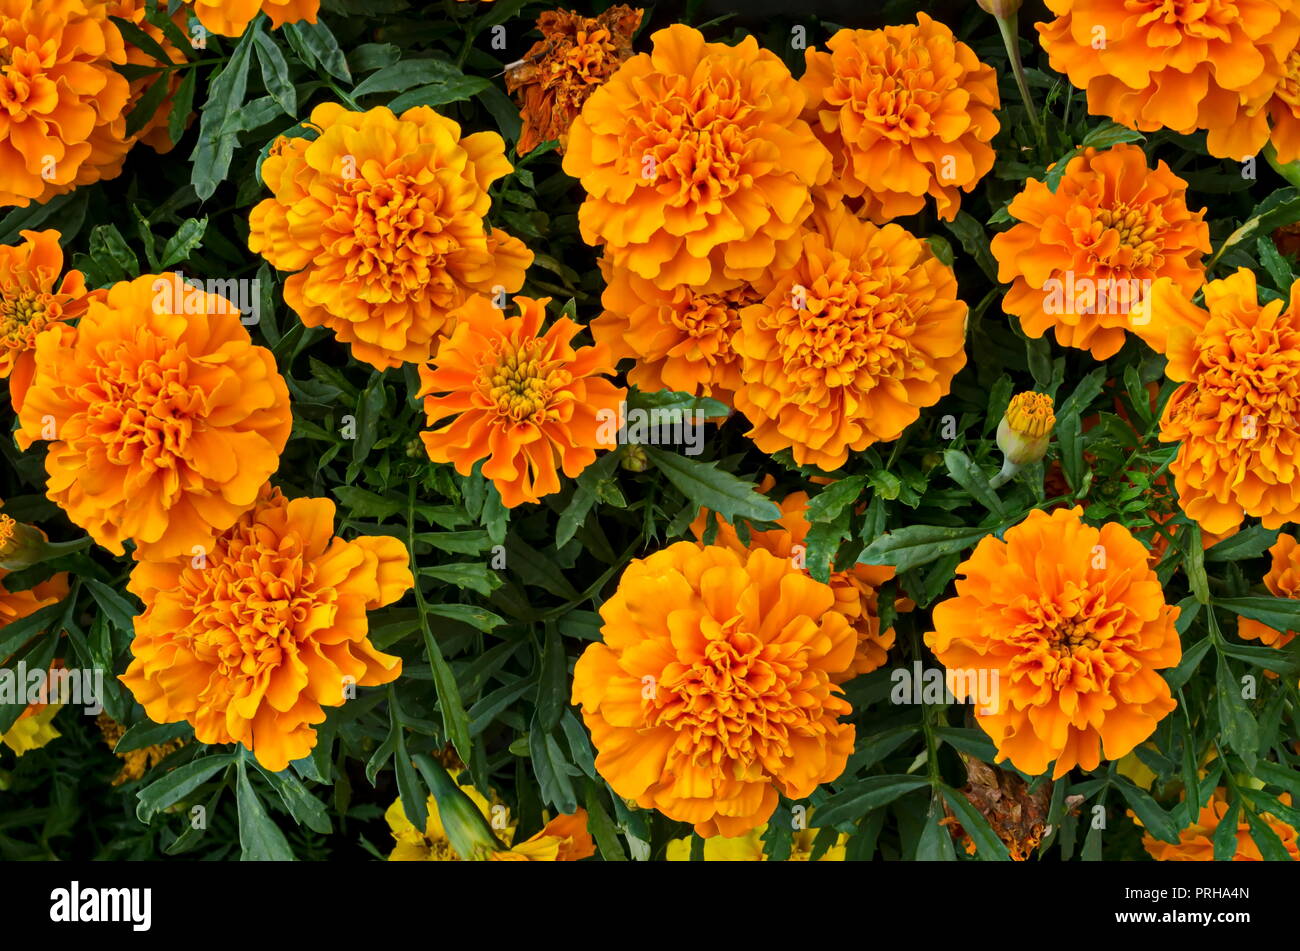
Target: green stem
x: 1011, y: 39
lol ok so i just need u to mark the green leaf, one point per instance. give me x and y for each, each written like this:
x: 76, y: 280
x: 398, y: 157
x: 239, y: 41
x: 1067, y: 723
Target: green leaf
x: 553, y: 684
x: 177, y: 784
x: 406, y: 75
x: 972, y: 478
x: 116, y: 608
x: 362, y: 504
x: 1225, y: 834
x: 305, y: 808
x: 707, y: 486
x: 1154, y: 819
x: 1248, y: 543
x: 438, y: 94
x: 975, y: 241
x: 827, y: 504
x: 259, y: 837
x: 147, y: 733
x: 481, y: 618
x: 1108, y: 134
x: 1270, y: 846
x: 146, y: 107
x: 988, y: 847
x: 906, y: 548
x: 1281, y: 614
x: 216, y: 144
x: 187, y: 240
x: 182, y: 106
x: 935, y: 843
x: 1240, y: 731
x: 856, y: 800
x: 317, y: 46
x: 275, y: 72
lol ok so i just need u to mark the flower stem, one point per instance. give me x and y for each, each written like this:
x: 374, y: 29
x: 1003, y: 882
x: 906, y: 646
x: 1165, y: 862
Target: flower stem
x: 1011, y: 39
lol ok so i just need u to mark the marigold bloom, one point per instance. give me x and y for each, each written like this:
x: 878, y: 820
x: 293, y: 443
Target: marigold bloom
x: 31, y: 298
x: 563, y: 839
x: 695, y: 639
x: 749, y: 847
x: 696, y: 165
x: 528, y: 402
x: 1196, y: 842
x: 1283, y: 581
x: 1205, y: 65
x: 163, y: 425
x: 575, y: 55
x: 1081, y: 258
x: 59, y: 89
x: 231, y: 17
x: 855, y: 589
x: 850, y: 343
x: 1073, y: 623
x: 383, y: 219
x: 1026, y: 428
x: 906, y: 111
x: 1237, y: 413
x: 33, y: 729
x: 680, y: 338
x: 251, y: 640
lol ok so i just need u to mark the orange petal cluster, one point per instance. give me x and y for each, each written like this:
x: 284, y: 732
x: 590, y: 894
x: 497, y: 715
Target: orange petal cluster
x: 1196, y: 842
x: 382, y: 218
x: 850, y: 343
x: 855, y: 589
x: 528, y: 402
x: 32, y: 297
x: 63, y: 102
x: 711, y: 691
x: 696, y: 164
x: 1210, y: 64
x: 163, y: 424
x: 680, y: 337
x: 575, y: 56
x: 231, y: 17
x: 251, y: 641
x: 1082, y: 257
x: 1072, y: 622
x: 1283, y: 581
x: 907, y: 111
x: 1237, y: 414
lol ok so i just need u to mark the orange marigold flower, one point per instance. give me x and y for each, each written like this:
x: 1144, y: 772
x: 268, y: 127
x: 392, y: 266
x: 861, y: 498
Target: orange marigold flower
x: 563, y: 839
x: 1072, y: 623
x: 1196, y: 842
x: 696, y: 164
x: 1237, y: 413
x: 528, y: 402
x: 135, y: 763
x: 31, y: 298
x: 575, y: 55
x: 59, y: 90
x: 1283, y: 581
x: 850, y: 343
x: 163, y: 423
x: 1083, y: 257
x: 855, y: 589
x: 906, y: 111
x: 695, y: 638
x: 383, y: 219
x: 1205, y: 65
x: 680, y: 337
x: 251, y: 640
x: 231, y: 17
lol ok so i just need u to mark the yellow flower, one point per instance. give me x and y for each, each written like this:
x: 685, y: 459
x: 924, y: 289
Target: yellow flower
x: 1026, y: 428
x: 749, y: 847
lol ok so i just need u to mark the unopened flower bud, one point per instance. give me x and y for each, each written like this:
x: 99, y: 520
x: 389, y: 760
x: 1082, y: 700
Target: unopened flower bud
x: 21, y: 546
x: 1026, y: 428
x: 635, y: 459
x: 1000, y: 8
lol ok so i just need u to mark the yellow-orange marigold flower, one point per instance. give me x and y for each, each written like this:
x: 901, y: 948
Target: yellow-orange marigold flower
x: 1196, y: 842
x: 1283, y: 580
x: 1237, y: 413
x: 163, y: 424
x: 575, y: 55
x: 527, y: 401
x: 563, y: 839
x: 906, y: 111
x: 749, y: 847
x: 697, y: 639
x: 33, y: 728
x: 680, y: 337
x: 696, y: 165
x: 135, y: 763
x: 850, y: 343
x: 1072, y: 623
x: 31, y: 298
x: 250, y: 641
x: 231, y: 17
x: 58, y: 89
x: 1180, y: 66
x: 383, y: 219
x: 1080, y: 259
x: 855, y: 589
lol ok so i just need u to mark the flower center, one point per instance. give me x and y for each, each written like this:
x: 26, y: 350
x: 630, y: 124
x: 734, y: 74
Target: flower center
x: 694, y: 142
x: 1031, y: 415
x: 7, y: 526
x: 520, y: 382
x: 390, y: 236
x: 22, y: 317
